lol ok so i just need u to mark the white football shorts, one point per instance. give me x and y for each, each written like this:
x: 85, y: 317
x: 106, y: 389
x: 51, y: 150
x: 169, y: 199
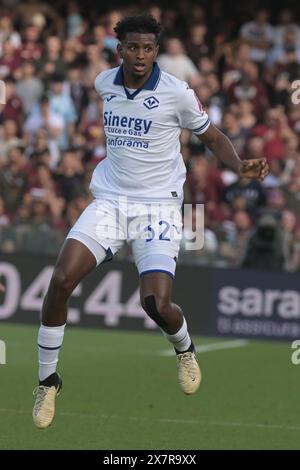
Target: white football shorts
x: 154, y: 232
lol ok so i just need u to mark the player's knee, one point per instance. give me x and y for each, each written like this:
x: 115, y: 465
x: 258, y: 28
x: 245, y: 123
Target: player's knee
x: 61, y: 281
x: 163, y: 305
x: 157, y: 307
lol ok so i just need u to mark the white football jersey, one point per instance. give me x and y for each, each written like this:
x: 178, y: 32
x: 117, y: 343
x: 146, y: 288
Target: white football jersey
x: 142, y: 131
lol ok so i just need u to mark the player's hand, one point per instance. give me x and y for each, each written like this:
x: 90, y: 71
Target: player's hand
x: 255, y: 168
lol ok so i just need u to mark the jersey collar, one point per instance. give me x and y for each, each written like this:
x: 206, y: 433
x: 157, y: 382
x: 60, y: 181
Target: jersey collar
x: 150, y: 84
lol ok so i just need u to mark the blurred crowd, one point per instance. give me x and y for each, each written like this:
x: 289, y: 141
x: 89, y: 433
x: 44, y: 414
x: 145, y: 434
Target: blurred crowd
x: 244, y: 66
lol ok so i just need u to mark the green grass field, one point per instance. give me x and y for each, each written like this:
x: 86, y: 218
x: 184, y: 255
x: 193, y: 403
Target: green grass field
x: 120, y: 393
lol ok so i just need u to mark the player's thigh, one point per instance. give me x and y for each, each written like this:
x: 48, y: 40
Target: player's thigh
x: 157, y: 250
x: 155, y: 256
x: 98, y: 229
x: 74, y: 262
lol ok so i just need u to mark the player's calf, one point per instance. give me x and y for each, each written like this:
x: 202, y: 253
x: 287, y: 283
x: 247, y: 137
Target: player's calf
x: 189, y: 374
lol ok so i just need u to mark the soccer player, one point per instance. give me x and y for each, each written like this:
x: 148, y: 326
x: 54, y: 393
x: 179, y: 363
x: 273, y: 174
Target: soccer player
x: 144, y: 112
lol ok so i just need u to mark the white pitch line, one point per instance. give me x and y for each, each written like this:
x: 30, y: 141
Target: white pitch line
x: 165, y: 420
x: 237, y: 343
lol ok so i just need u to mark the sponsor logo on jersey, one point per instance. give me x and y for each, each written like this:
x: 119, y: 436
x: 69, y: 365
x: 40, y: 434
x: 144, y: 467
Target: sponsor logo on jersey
x: 127, y: 142
x: 137, y: 124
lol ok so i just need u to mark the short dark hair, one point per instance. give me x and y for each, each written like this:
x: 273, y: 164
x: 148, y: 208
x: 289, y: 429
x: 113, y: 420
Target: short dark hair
x: 10, y: 79
x: 44, y: 98
x: 137, y: 24
x: 56, y: 77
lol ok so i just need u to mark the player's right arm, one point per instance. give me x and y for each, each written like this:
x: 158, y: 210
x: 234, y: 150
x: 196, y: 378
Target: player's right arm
x: 223, y: 149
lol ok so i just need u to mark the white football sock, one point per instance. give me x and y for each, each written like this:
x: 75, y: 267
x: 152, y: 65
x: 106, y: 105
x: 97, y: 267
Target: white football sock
x: 180, y: 340
x: 50, y: 339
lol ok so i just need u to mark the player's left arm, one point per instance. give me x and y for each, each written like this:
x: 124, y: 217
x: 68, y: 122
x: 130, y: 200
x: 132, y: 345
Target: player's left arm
x: 223, y: 149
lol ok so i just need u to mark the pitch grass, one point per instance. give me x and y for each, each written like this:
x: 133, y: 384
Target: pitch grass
x: 119, y: 393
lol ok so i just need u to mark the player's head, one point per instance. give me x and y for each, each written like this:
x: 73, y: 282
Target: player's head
x: 138, y: 47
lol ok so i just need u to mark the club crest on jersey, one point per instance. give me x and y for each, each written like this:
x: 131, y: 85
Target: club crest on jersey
x: 151, y: 102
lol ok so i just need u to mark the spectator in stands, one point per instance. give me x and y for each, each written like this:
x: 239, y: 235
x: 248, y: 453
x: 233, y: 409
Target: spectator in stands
x: 285, y: 23
x: 274, y: 178
x: 294, y: 262
x: 93, y: 112
x: 4, y: 219
x: 51, y: 64
x: 61, y: 104
x: 13, y: 109
x: 235, y: 237
x: 77, y: 90
x: 292, y: 66
x: 9, y: 137
x: 234, y: 131
x: 259, y: 35
x: 255, y: 147
x: 253, y: 193
x: 279, y: 54
x: 291, y: 191
x: 31, y: 48
x: 196, y: 45
x: 70, y: 176
x: 275, y: 131
x: 110, y: 21
x: 74, y: 20
x: 99, y: 35
x: 249, y: 88
x: 266, y: 247
x: 96, y: 63
x: 29, y: 88
x: 39, y: 12
x: 44, y: 118
x: 288, y: 224
x: 275, y: 203
x: 10, y: 61
x: 176, y: 61
x: 245, y: 114
x: 7, y: 31
x: 14, y: 178
x: 206, y: 186
x: 280, y: 95
x: 73, y: 51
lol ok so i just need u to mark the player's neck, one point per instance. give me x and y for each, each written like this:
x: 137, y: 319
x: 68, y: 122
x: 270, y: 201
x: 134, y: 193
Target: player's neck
x: 131, y: 81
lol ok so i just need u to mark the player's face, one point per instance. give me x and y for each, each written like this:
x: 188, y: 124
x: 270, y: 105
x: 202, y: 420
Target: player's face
x: 138, y: 51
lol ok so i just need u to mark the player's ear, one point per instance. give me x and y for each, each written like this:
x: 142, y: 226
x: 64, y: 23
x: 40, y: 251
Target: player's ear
x: 120, y: 50
x: 156, y: 51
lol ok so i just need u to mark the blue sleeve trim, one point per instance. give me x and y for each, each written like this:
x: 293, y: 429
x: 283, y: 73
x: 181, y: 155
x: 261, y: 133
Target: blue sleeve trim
x: 202, y: 127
